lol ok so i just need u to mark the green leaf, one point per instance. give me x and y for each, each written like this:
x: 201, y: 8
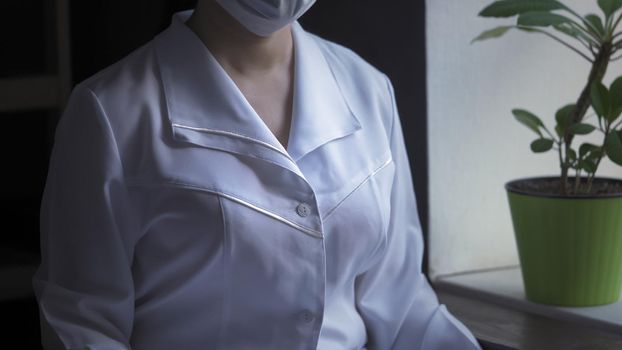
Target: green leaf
x: 529, y: 120
x: 581, y: 129
x: 596, y: 154
x: 572, y: 155
x: 509, y: 8
x: 587, y: 148
x: 588, y: 165
x: 492, y: 33
x: 613, y: 146
x: 600, y: 99
x: 609, y: 6
x: 541, y: 145
x: 530, y: 29
x: 615, y: 96
x: 596, y: 22
x: 614, y: 115
x: 541, y: 19
x: 563, y: 116
x: 571, y: 30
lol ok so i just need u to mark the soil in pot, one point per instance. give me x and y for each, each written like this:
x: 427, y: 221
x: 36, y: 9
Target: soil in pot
x: 551, y: 186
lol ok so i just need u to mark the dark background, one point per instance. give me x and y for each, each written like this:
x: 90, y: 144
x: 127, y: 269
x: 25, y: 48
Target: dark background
x: 390, y: 35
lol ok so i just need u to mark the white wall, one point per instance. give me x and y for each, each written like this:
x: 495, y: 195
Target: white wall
x: 475, y: 145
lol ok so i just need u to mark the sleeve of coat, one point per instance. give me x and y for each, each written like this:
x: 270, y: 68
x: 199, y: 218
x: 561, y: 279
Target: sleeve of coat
x: 84, y: 283
x: 398, y: 305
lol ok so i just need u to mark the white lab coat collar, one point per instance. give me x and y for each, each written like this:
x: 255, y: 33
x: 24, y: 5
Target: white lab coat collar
x: 201, y: 97
x: 321, y: 111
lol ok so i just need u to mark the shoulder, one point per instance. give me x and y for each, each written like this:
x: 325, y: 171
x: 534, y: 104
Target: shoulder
x: 135, y: 70
x: 123, y: 91
x: 131, y: 79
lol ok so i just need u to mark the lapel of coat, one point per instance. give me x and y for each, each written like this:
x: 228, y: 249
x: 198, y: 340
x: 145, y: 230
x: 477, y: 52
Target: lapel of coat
x: 205, y: 107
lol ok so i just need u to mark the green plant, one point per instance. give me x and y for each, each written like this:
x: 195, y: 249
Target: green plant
x: 594, y: 38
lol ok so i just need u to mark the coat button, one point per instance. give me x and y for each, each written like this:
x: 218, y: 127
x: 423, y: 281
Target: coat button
x: 303, y: 209
x: 306, y: 317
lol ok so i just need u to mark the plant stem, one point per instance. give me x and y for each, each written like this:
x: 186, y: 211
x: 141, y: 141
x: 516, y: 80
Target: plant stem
x: 601, y: 155
x: 561, y: 157
x: 599, y: 68
x: 577, y: 181
x: 590, y: 180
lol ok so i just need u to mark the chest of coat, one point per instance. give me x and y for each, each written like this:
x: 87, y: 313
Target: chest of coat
x: 223, y: 216
x: 337, y: 192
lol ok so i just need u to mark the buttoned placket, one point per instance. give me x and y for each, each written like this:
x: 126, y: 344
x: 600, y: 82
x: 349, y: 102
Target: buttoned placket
x: 306, y: 317
x: 310, y: 212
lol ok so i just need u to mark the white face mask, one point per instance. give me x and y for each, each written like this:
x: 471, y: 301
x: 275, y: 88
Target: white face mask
x: 264, y: 17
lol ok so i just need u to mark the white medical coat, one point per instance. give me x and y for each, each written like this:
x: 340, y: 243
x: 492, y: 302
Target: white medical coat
x: 173, y: 219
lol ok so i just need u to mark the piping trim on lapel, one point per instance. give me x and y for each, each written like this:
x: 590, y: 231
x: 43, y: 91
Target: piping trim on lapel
x: 304, y: 229
x: 177, y: 184
x: 229, y: 133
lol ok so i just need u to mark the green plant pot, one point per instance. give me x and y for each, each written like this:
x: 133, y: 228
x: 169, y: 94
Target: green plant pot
x: 570, y: 248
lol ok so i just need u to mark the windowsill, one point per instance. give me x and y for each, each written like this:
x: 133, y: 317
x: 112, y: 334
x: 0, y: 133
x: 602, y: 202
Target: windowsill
x: 504, y: 287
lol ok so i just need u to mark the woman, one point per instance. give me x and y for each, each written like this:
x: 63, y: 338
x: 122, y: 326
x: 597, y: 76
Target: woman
x: 236, y: 183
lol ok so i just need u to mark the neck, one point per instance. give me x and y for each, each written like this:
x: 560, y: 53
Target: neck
x: 234, y: 46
